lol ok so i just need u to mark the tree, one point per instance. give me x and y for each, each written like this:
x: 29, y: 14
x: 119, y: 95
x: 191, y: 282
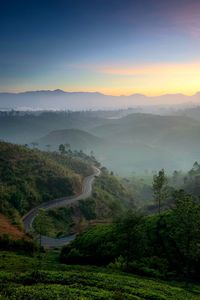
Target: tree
x: 62, y: 149
x: 129, y: 236
x: 42, y: 224
x: 159, y: 188
x: 186, y: 230
x: 196, y: 166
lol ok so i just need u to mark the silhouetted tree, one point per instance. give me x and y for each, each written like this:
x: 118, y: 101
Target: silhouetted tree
x: 159, y: 188
x: 62, y: 149
x: 42, y: 224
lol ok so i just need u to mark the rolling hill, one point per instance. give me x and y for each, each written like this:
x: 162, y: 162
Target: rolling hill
x: 76, y: 138
x: 133, y: 143
x: 29, y: 127
x: 141, y: 142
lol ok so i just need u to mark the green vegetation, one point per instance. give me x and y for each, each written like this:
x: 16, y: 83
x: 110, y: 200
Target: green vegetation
x: 109, y: 200
x: 160, y: 188
x: 110, y: 197
x: 76, y: 282
x: 103, y: 258
x: 58, y: 222
x: 164, y: 246
x: 19, y: 245
x: 30, y: 177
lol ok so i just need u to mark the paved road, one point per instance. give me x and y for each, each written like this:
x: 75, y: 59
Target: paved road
x: 61, y: 202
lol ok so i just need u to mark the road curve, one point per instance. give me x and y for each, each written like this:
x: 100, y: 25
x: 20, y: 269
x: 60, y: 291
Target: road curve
x: 61, y: 202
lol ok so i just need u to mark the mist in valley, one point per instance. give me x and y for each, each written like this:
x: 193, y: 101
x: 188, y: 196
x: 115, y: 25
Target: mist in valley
x: 127, y: 141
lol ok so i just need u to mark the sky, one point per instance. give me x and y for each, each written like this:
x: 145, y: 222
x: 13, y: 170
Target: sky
x: 115, y: 47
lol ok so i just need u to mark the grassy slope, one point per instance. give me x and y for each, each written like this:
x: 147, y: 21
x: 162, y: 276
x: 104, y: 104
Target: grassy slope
x: 48, y: 279
x: 108, y: 200
x: 30, y: 177
x: 6, y: 227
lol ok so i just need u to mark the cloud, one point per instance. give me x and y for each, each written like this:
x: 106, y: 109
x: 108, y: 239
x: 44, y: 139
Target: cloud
x: 153, y: 69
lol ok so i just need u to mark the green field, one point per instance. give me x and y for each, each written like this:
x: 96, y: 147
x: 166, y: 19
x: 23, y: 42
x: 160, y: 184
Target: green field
x: 25, y: 277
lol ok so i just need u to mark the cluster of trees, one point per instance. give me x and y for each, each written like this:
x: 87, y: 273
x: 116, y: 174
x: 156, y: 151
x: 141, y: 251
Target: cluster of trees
x: 65, y: 149
x: 154, y: 191
x: 165, y: 245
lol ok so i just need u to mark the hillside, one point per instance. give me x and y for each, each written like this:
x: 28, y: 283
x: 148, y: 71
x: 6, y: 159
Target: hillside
x: 143, y: 126
x: 109, y: 199
x: 31, y: 126
x: 30, y: 177
x: 135, y: 143
x: 77, y: 282
x: 141, y: 142
x: 6, y: 227
x: 76, y: 138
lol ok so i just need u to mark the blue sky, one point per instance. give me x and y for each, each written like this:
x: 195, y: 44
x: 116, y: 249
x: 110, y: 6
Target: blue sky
x: 115, y: 47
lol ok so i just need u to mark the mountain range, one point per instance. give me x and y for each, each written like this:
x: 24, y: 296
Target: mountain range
x: 61, y: 100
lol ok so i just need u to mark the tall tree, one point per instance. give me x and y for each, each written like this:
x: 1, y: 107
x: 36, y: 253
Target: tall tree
x: 42, y: 224
x: 62, y: 149
x: 186, y: 230
x: 129, y: 236
x: 160, y: 188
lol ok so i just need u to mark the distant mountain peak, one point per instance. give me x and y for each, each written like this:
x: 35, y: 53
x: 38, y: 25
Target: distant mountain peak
x: 59, y: 91
x: 137, y: 95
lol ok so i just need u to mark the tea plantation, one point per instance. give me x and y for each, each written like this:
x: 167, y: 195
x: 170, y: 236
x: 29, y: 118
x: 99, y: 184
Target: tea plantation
x: 44, y: 278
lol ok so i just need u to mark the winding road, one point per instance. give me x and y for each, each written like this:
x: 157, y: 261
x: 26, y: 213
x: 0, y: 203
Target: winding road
x: 61, y: 202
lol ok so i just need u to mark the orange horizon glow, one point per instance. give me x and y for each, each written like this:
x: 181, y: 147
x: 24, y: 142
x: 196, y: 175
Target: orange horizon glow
x: 150, y: 80
x: 108, y: 92
x: 113, y: 93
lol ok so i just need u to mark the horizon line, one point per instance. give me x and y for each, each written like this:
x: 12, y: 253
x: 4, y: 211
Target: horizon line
x: 98, y: 92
